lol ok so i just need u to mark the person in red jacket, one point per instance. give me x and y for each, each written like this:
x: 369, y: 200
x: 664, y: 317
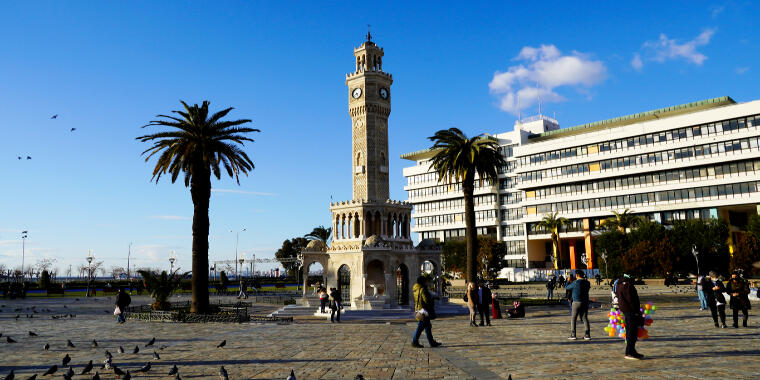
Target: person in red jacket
x: 628, y: 301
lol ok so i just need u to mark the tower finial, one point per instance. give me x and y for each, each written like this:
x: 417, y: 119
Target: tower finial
x: 369, y: 36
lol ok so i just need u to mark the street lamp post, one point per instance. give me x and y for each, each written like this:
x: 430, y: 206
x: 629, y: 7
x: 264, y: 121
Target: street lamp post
x: 89, y: 271
x: 237, y: 239
x: 696, y: 256
x: 171, y: 262
x: 604, y: 257
x: 241, y: 260
x: 23, y: 252
x: 129, y: 253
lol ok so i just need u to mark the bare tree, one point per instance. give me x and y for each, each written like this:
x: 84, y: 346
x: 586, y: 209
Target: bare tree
x: 45, y: 264
x: 117, y: 272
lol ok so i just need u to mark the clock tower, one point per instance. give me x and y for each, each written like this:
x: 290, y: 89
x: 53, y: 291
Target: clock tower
x: 369, y: 105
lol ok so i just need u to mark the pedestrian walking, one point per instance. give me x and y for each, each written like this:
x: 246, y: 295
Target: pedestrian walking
x: 701, y: 293
x: 484, y: 303
x: 471, y: 297
x: 336, y: 303
x: 550, y: 289
x: 579, y: 290
x: 424, y: 311
x: 628, y: 300
x: 242, y: 290
x: 598, y: 278
x: 561, y: 280
x: 122, y: 302
x: 323, y: 297
x: 738, y: 288
x: 713, y: 289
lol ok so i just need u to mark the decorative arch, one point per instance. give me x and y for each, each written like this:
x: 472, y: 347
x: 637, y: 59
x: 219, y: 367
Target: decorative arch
x: 344, y: 282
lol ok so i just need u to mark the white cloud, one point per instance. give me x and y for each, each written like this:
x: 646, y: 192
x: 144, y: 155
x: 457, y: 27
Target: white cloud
x: 666, y: 49
x: 636, y: 62
x: 717, y: 10
x: 542, y: 70
x: 235, y: 191
x: 169, y: 217
x: 742, y: 70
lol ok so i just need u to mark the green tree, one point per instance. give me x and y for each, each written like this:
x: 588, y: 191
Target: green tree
x: 161, y: 286
x: 44, y: 280
x: 290, y: 250
x: 459, y: 159
x: 753, y: 225
x: 637, y: 261
x: 646, y: 230
x: 623, y: 221
x: 454, y: 254
x: 320, y: 233
x: 709, y: 237
x: 747, y: 253
x: 490, y: 257
x: 613, y: 244
x: 197, y: 145
x: 553, y: 224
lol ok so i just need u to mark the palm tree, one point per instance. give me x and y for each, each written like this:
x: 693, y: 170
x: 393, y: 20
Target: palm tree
x: 458, y: 159
x: 622, y: 221
x: 197, y: 145
x: 552, y: 223
x: 161, y: 286
x: 321, y: 233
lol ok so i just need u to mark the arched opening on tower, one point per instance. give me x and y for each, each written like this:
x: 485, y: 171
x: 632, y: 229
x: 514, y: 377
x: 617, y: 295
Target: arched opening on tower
x: 375, y: 278
x: 344, y: 283
x: 402, y: 285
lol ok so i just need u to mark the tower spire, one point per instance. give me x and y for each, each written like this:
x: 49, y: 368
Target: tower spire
x: 369, y: 36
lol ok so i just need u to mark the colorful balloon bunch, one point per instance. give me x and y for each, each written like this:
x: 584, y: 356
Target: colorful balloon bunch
x: 617, y: 322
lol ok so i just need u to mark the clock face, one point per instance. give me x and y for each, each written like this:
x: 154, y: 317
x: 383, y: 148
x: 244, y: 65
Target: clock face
x: 357, y: 93
x: 384, y: 93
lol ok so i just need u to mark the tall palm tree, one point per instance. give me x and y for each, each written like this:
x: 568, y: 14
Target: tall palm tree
x: 320, y: 233
x: 197, y: 145
x: 552, y: 223
x: 622, y: 221
x: 458, y: 159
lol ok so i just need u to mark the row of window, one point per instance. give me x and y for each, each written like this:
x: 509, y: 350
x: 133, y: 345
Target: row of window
x: 478, y: 200
x: 454, y: 218
x: 644, y: 140
x: 573, y: 225
x: 507, y: 150
x: 515, y: 247
x: 512, y: 214
x: 511, y: 198
x: 507, y: 183
x: 422, y: 178
x: 646, y: 158
x: 513, y: 230
x: 448, y: 188
x: 644, y: 199
x: 669, y: 176
x: 508, y: 168
x: 458, y: 233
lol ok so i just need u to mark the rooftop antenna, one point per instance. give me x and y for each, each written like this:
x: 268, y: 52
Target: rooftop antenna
x: 519, y: 117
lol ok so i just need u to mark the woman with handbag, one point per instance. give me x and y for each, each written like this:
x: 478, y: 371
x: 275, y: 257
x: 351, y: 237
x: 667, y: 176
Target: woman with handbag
x: 424, y: 312
x: 471, y: 297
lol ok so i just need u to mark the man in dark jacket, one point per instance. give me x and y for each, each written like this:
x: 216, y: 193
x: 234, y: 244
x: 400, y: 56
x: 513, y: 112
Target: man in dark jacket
x: 336, y: 303
x: 738, y: 288
x: 579, y: 305
x: 628, y: 300
x: 713, y: 289
x: 122, y: 301
x: 484, y: 303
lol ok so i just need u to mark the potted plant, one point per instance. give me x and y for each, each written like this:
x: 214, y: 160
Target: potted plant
x: 161, y: 287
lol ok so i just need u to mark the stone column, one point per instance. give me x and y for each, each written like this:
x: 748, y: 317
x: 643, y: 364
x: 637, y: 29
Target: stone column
x: 387, y: 285
x: 589, y: 244
x: 364, y: 286
x: 362, y: 227
x: 305, y: 270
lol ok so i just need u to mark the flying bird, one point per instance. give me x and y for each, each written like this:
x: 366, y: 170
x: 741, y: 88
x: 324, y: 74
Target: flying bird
x: 46, y: 346
x: 150, y: 343
x: 155, y: 355
x: 10, y: 375
x: 144, y: 368
x: 87, y: 368
x: 292, y: 376
x: 32, y: 333
x: 73, y: 129
x: 28, y: 157
x: 96, y: 376
x: 54, y: 116
x: 66, y: 360
x: 69, y: 344
x: 174, y: 370
x: 9, y: 340
x: 223, y: 374
x: 220, y: 345
x: 51, y: 370
x: 19, y: 157
x: 136, y: 350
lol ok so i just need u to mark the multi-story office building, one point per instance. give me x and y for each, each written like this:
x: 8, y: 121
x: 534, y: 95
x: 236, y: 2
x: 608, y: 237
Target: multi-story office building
x: 696, y: 160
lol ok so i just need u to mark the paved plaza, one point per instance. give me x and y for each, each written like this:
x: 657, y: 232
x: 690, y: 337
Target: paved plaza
x: 683, y: 344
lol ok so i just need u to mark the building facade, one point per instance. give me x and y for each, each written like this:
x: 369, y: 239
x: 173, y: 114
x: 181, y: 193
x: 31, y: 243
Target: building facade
x: 696, y: 160
x: 372, y: 259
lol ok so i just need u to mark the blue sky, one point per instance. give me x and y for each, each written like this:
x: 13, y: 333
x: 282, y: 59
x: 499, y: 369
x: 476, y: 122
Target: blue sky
x: 108, y: 67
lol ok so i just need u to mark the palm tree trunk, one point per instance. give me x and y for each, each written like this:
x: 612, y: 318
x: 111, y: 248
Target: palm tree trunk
x: 200, y: 189
x: 468, y: 188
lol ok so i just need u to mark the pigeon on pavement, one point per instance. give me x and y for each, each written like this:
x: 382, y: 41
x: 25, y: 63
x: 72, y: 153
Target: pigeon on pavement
x: 121, y: 349
x: 66, y: 360
x: 136, y: 350
x: 69, y: 344
x: 155, y: 355
x: 87, y: 368
x: 51, y: 370
x: 117, y: 371
x: 33, y: 377
x: 127, y: 376
x: 94, y: 343
x: 46, y: 346
x: 96, y: 376
x: 223, y: 374
x: 292, y: 376
x: 32, y: 333
x: 144, y: 368
x: 10, y: 375
x: 174, y: 370
x: 150, y: 343
x: 222, y: 344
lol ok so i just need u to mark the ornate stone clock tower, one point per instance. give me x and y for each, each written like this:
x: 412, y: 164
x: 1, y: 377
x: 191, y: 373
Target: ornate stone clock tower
x: 371, y: 259
x: 369, y: 105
